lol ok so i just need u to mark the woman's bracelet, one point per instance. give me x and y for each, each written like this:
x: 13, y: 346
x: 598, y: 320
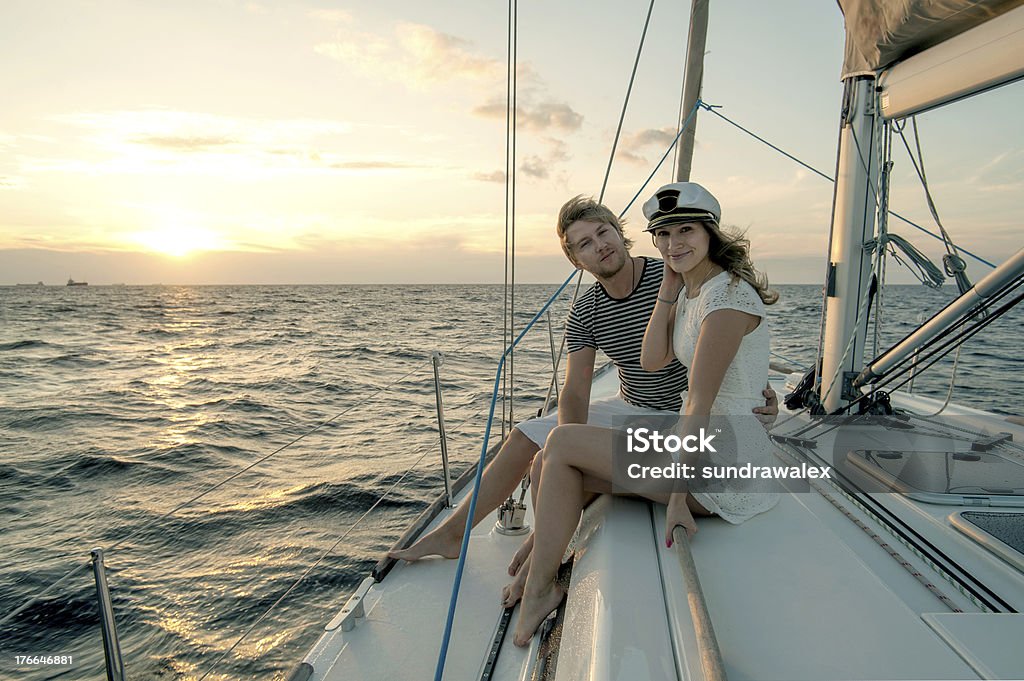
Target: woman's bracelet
x: 669, y: 302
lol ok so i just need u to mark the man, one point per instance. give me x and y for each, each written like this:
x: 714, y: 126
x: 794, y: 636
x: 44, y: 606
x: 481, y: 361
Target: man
x: 612, y: 316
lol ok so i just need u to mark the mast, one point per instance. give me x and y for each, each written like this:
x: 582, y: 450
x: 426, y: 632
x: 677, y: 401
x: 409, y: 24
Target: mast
x: 853, y: 225
x: 692, y: 83
x: 977, y: 53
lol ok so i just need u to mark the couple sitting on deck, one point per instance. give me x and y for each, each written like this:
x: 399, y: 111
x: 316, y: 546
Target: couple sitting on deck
x: 703, y: 308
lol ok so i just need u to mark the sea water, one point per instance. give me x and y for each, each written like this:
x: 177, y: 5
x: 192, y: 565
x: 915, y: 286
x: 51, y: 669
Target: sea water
x: 219, y: 441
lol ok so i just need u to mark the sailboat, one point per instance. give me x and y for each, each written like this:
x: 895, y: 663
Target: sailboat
x: 907, y: 564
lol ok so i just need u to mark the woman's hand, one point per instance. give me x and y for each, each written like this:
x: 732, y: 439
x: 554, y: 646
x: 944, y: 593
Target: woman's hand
x: 671, y: 283
x: 678, y: 513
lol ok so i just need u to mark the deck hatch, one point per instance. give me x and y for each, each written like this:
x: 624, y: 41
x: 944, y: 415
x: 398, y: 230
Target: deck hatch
x: 1000, y: 533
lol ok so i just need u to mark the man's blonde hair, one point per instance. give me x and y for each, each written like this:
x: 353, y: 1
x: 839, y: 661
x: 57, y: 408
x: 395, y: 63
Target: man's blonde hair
x: 586, y: 209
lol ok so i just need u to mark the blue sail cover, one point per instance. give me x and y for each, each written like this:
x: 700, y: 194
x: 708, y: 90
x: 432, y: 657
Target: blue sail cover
x: 880, y: 33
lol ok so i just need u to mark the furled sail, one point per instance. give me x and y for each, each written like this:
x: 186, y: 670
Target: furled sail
x: 880, y: 33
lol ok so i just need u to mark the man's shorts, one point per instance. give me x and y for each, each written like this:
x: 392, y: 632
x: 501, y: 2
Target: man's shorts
x: 606, y: 413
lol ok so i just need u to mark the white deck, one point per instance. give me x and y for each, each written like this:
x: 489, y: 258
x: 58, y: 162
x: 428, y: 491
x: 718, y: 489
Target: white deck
x: 797, y: 593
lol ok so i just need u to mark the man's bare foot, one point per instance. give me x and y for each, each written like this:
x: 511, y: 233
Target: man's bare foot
x: 534, y: 609
x: 521, y: 556
x: 436, y: 543
x: 513, y: 591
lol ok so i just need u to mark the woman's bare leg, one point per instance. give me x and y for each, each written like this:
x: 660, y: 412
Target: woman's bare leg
x: 571, y: 452
x: 577, y: 459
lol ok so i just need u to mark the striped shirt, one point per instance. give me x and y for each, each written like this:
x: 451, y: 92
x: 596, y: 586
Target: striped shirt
x: 616, y: 326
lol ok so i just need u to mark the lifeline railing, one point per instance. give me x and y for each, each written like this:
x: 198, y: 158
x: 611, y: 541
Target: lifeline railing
x: 115, y: 666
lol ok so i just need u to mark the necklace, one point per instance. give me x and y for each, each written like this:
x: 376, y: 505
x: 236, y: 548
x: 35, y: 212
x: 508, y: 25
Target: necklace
x: 699, y: 286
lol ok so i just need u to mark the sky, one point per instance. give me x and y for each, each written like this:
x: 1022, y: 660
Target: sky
x: 234, y: 142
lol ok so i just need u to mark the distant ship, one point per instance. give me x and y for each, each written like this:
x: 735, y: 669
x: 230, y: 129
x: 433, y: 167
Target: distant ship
x: 72, y: 282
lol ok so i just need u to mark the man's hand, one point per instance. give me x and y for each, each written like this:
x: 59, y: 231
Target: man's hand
x: 770, y: 411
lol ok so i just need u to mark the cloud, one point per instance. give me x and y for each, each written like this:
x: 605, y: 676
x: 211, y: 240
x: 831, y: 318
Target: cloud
x: 543, y: 116
x: 535, y: 167
x: 558, y: 151
x: 414, y: 54
x: 185, y: 144
x: 496, y: 176
x: 633, y: 146
x: 140, y: 141
x: 173, y: 127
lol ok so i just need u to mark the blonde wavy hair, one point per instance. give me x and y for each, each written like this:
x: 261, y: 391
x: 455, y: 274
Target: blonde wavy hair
x: 585, y: 209
x: 729, y: 248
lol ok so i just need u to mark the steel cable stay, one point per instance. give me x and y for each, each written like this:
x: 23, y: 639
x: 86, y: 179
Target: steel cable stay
x: 509, y: 291
x: 185, y: 504
x: 711, y: 108
x: 423, y: 451
x: 578, y: 275
x: 928, y: 360
x: 604, y: 185
x: 966, y: 318
x: 604, y: 182
x: 954, y: 265
x: 864, y: 294
x: 672, y: 145
x: 464, y: 550
x: 942, y: 351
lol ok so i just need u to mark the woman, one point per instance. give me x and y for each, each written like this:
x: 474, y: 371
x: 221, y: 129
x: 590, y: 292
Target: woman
x: 716, y: 328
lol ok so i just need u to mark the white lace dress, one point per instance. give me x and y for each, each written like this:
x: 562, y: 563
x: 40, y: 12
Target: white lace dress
x: 745, y: 378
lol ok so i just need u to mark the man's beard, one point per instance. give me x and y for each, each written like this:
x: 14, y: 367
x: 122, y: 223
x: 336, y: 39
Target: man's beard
x: 612, y: 267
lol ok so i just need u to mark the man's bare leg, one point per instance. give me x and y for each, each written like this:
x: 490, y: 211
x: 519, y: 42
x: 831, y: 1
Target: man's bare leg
x: 500, y: 477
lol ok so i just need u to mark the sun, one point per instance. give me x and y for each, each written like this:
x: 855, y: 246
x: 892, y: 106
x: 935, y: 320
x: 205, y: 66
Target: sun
x: 179, y: 242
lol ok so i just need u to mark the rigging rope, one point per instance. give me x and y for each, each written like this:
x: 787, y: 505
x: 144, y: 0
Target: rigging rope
x: 508, y: 319
x: 464, y: 550
x: 510, y: 348
x: 917, y: 263
x: 604, y: 186
x: 671, y: 146
x: 945, y: 348
x: 954, y: 264
x: 952, y: 381
x: 814, y: 170
x: 625, y: 103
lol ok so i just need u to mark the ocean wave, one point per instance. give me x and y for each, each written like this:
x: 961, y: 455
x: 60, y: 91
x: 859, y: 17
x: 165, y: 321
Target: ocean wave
x: 78, y: 360
x: 22, y: 344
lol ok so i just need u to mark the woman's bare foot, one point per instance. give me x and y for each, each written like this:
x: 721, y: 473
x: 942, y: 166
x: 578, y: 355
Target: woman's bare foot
x: 522, y: 554
x: 437, y: 543
x: 513, y: 591
x: 534, y: 609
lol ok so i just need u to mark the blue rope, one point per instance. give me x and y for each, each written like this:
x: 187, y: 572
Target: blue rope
x: 830, y: 179
x: 476, y: 482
